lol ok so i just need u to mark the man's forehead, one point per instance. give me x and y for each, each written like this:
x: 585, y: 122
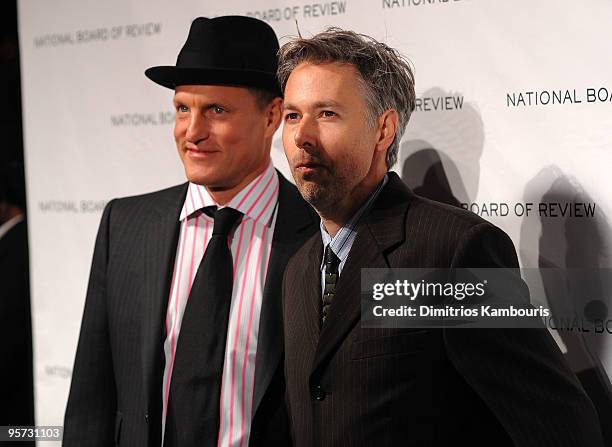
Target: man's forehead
x: 209, y: 88
x: 324, y: 76
x: 322, y: 85
x: 210, y: 91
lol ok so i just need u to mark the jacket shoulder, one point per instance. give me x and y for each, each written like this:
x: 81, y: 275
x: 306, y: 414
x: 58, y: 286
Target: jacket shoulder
x: 134, y: 208
x: 152, y: 199
x: 397, y: 199
x: 430, y: 209
x: 449, y: 235
x: 435, y: 234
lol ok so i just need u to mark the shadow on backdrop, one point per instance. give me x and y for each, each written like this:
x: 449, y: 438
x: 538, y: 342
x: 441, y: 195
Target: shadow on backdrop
x: 425, y: 173
x: 581, y: 247
x: 440, y: 154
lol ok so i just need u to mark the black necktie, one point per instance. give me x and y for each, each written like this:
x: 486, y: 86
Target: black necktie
x: 331, y: 277
x: 193, y: 406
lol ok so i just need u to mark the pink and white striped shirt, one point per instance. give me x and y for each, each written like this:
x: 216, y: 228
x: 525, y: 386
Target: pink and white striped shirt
x: 251, y: 243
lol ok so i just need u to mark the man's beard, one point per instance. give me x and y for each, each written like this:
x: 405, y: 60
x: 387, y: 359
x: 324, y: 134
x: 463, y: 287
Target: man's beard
x: 323, y: 194
x: 315, y: 194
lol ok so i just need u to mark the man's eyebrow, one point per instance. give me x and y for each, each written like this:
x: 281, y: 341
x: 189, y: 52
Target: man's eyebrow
x: 327, y: 103
x: 205, y: 105
x: 317, y: 105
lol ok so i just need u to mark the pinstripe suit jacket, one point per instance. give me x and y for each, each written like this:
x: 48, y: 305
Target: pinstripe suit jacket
x: 115, y: 395
x: 348, y: 386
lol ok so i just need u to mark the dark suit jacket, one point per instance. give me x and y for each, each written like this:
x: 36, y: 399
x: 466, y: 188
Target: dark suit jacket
x: 348, y: 386
x: 115, y: 395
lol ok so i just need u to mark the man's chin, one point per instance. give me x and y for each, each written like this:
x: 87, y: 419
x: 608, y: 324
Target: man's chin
x: 202, y: 179
x: 315, y: 194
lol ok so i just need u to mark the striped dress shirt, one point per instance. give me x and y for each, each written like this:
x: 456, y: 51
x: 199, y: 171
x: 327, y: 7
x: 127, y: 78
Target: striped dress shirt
x: 342, y: 242
x: 251, y: 243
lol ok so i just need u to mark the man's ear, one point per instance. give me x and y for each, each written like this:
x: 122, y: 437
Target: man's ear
x: 387, y: 126
x: 274, y: 112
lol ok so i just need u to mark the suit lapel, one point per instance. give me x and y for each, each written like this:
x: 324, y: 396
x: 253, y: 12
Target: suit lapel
x: 381, y: 230
x: 161, y: 238
x: 308, y: 297
x: 290, y: 232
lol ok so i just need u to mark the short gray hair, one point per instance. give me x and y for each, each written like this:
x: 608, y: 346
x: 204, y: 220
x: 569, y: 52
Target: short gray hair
x: 386, y: 76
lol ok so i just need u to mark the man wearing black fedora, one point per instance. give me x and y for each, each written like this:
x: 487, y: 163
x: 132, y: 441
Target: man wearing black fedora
x: 181, y: 338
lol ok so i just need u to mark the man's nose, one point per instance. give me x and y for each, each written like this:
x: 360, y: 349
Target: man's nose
x: 198, y: 128
x: 305, y: 135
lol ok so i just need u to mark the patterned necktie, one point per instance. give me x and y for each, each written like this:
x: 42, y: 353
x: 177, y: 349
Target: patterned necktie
x: 195, y: 388
x: 331, y: 278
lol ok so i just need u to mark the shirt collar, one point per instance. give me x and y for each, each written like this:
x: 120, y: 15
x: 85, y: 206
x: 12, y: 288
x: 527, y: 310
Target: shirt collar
x: 256, y: 201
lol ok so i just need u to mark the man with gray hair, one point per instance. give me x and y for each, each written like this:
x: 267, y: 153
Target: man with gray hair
x: 347, y: 100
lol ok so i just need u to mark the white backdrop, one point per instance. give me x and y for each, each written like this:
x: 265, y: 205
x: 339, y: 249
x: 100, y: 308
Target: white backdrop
x: 515, y: 109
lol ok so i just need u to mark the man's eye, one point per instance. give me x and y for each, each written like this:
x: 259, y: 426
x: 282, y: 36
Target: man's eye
x: 327, y: 113
x: 291, y: 116
x: 218, y: 110
x: 182, y: 109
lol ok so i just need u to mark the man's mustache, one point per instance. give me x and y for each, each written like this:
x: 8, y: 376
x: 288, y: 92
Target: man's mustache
x: 309, y: 162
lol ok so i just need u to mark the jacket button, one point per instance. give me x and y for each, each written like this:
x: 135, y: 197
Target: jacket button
x: 147, y: 418
x: 318, y: 393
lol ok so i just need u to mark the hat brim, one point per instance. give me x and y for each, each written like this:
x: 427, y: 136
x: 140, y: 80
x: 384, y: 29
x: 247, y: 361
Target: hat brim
x: 170, y: 77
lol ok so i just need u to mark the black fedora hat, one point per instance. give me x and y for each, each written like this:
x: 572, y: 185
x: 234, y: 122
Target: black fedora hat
x: 227, y: 50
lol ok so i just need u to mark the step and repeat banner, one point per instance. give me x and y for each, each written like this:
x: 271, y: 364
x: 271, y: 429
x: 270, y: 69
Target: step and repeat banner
x: 513, y: 121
